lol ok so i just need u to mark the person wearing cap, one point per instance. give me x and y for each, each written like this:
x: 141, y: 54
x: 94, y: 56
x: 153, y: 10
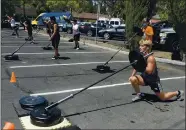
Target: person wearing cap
x: 55, y: 36
x: 147, y: 30
x: 150, y: 77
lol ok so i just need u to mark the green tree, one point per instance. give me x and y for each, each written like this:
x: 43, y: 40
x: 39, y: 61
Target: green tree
x: 173, y: 10
x: 136, y: 11
x: 8, y: 7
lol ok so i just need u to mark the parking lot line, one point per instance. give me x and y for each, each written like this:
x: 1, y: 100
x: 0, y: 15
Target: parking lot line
x: 46, y: 53
x: 98, y: 87
x: 70, y: 64
x: 36, y: 46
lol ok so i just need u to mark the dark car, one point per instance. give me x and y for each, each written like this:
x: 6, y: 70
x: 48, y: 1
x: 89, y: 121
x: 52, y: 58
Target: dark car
x: 65, y: 27
x: 113, y: 32
x: 157, y: 27
x: 90, y: 29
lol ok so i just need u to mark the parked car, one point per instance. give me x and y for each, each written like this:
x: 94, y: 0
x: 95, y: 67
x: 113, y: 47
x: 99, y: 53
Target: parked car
x: 110, y: 33
x: 65, y: 27
x: 90, y: 29
x: 169, y: 40
x: 157, y: 29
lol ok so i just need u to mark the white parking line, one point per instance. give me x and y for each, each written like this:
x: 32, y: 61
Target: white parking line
x: 35, y: 46
x: 98, y: 87
x: 47, y: 53
x: 70, y: 64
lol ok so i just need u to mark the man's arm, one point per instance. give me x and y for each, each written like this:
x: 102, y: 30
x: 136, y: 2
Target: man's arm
x: 133, y: 72
x: 150, y: 65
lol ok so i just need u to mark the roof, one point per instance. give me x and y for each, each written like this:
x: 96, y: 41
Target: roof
x: 84, y: 15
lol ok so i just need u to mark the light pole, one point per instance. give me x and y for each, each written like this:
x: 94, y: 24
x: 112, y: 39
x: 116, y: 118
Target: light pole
x: 98, y: 12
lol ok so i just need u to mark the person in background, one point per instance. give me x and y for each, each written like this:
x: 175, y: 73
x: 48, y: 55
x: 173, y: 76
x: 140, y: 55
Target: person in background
x: 13, y: 25
x: 28, y: 26
x: 147, y: 30
x: 55, y: 36
x: 76, y: 33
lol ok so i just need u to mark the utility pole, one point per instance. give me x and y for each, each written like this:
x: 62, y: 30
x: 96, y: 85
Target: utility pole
x: 24, y: 9
x: 98, y: 12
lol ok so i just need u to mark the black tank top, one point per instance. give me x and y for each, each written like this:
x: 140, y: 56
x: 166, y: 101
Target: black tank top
x: 152, y: 77
x: 57, y: 35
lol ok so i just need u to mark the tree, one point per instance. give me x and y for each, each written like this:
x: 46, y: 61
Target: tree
x: 8, y: 7
x: 173, y: 10
x: 136, y: 11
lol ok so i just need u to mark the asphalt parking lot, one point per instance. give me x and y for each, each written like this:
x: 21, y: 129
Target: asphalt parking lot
x: 107, y: 105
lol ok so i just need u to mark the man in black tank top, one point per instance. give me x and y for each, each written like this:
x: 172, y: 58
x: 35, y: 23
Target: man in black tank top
x: 55, y: 36
x: 150, y: 77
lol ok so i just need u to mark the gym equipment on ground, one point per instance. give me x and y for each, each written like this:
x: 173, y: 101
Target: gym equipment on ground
x: 47, y: 47
x: 50, y: 115
x: 16, y: 57
x: 105, y: 68
x: 31, y: 102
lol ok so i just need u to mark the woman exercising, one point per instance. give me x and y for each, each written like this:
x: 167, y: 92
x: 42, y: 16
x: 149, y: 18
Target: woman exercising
x: 76, y: 33
x: 28, y: 26
x: 150, y: 77
x: 55, y: 36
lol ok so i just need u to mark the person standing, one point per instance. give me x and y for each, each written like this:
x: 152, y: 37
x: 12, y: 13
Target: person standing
x: 28, y: 26
x: 76, y: 33
x: 55, y: 36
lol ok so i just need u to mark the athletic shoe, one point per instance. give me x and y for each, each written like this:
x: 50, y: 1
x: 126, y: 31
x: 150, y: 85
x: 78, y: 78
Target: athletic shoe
x: 77, y: 48
x: 55, y: 57
x: 137, y: 97
x: 180, y: 95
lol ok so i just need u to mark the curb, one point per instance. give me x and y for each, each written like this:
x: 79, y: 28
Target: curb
x: 162, y: 60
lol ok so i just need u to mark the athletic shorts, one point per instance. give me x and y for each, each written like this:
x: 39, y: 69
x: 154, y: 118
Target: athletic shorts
x: 55, y: 42
x: 152, y: 82
x: 76, y: 37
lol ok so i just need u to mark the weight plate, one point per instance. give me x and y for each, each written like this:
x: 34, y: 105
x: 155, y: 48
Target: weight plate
x: 140, y: 63
x: 30, y: 102
x: 43, y: 118
x: 11, y: 57
x: 103, y: 68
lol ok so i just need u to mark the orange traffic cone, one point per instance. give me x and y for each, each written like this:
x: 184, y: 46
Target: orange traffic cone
x: 13, y: 78
x: 9, y: 126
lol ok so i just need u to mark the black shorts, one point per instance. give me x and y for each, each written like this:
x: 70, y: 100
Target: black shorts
x: 76, y: 37
x: 153, y: 82
x: 55, y: 42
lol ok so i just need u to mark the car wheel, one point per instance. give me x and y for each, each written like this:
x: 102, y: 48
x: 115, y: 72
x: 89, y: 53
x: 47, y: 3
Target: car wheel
x: 107, y: 36
x: 61, y: 29
x: 177, y: 55
x: 175, y: 46
x: 89, y: 33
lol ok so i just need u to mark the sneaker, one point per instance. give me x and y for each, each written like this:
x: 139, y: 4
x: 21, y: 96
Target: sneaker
x: 55, y: 58
x: 180, y: 95
x: 137, y: 97
x: 77, y: 48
